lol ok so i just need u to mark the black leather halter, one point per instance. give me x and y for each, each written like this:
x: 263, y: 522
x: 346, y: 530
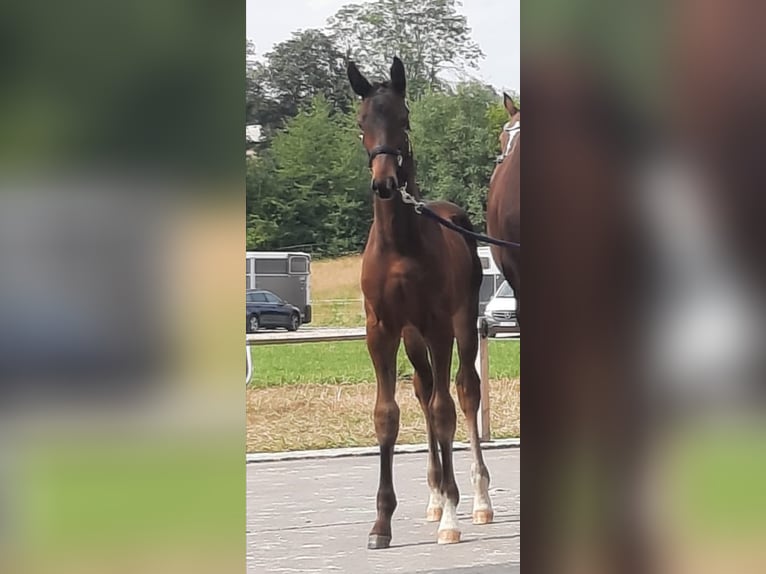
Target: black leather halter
x: 386, y: 150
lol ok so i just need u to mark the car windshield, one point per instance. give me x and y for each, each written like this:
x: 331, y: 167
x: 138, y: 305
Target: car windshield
x: 505, y: 291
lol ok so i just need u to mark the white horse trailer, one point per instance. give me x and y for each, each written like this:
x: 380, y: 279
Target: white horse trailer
x: 287, y: 274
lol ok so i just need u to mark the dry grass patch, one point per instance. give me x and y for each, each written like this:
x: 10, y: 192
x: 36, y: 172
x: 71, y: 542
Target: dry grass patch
x: 309, y: 416
x: 336, y: 293
x: 336, y: 278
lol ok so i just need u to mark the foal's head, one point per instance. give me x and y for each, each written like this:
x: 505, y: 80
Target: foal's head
x: 384, y: 120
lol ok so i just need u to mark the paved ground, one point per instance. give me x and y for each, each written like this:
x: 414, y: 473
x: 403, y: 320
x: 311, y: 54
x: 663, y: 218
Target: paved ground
x: 314, y: 516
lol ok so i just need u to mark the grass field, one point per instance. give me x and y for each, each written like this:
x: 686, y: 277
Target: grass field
x: 321, y: 395
x: 347, y: 362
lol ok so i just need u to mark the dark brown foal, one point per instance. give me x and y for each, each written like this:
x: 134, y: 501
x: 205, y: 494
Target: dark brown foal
x: 504, y: 201
x: 421, y: 285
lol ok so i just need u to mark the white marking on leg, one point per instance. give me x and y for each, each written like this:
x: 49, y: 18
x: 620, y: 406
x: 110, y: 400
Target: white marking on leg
x: 435, y: 499
x: 480, y: 483
x: 449, y: 519
x: 435, y: 505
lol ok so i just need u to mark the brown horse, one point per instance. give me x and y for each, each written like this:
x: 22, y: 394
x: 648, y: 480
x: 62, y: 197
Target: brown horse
x: 504, y: 201
x: 421, y: 285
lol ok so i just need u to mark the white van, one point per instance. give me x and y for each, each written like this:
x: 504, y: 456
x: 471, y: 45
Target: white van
x: 500, y: 312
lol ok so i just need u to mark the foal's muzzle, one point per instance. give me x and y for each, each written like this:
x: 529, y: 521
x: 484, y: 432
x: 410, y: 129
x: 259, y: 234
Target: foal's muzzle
x: 386, y: 187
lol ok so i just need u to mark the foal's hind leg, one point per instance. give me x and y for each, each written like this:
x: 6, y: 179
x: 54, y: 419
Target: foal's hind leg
x: 469, y: 394
x: 443, y: 419
x: 417, y: 351
x: 383, y: 346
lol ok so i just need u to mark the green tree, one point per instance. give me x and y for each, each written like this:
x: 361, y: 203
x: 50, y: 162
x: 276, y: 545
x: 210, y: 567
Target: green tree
x: 455, y: 140
x: 292, y: 74
x: 312, y: 187
x: 428, y: 35
x: 262, y: 203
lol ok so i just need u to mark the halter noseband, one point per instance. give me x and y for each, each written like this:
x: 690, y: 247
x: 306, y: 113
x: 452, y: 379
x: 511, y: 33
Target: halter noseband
x: 386, y: 150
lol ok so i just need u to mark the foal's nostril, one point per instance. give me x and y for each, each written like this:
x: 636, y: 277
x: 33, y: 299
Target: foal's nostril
x: 374, y: 185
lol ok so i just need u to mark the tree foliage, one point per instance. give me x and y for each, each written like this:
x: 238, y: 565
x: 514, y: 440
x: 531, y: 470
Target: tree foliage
x: 455, y: 140
x: 312, y: 187
x: 429, y: 35
x: 305, y: 66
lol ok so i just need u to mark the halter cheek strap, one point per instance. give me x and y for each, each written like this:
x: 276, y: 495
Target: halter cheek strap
x: 513, y: 131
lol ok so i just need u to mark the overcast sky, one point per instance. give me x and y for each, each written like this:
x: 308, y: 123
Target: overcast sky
x: 494, y: 26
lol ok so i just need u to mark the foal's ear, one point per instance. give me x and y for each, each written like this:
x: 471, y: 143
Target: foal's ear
x: 509, y: 105
x: 398, y: 79
x: 359, y: 83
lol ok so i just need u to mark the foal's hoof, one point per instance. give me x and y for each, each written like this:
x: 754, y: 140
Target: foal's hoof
x: 450, y: 536
x: 483, y: 516
x: 378, y: 541
x: 434, y: 514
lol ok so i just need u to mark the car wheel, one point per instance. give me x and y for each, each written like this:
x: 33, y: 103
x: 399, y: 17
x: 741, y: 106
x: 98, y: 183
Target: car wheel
x: 253, y: 324
x: 295, y: 322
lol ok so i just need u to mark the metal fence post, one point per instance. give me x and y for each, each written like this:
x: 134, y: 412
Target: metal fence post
x: 482, y: 367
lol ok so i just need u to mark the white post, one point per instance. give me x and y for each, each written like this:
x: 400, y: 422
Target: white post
x: 482, y: 367
x: 249, y: 365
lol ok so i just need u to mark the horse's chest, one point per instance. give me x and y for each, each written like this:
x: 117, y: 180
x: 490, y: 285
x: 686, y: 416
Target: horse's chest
x: 396, y: 283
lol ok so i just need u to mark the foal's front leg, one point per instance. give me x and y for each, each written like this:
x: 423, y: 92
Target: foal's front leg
x: 383, y: 346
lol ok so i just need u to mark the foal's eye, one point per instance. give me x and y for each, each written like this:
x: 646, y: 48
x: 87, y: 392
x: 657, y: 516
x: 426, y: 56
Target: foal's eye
x: 361, y: 136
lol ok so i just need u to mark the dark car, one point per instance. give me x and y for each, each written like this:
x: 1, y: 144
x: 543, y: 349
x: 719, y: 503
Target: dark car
x: 265, y: 310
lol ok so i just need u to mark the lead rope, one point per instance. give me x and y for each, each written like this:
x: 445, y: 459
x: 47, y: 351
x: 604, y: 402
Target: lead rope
x: 422, y: 209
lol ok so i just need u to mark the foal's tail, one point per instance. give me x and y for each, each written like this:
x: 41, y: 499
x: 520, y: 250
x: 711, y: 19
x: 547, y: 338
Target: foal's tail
x: 461, y: 218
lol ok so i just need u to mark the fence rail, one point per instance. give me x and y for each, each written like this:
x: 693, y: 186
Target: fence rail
x: 319, y: 335
x: 323, y: 335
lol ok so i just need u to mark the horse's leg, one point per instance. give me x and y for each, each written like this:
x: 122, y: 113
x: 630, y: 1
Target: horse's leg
x: 443, y: 419
x: 469, y: 394
x: 383, y: 346
x: 417, y: 351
